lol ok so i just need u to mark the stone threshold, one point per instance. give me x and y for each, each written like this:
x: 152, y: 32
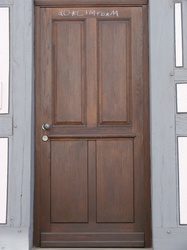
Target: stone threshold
x: 92, y: 248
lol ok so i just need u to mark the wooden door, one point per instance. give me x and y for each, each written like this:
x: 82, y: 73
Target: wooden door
x: 92, y: 183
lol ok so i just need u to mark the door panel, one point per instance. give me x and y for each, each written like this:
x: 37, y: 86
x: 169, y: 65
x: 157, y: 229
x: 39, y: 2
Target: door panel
x: 69, y: 72
x: 90, y: 89
x: 69, y: 166
x: 115, y: 181
x: 114, y: 90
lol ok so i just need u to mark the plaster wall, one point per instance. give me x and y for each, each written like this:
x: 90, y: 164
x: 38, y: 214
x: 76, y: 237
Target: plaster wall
x: 165, y: 126
x: 18, y: 127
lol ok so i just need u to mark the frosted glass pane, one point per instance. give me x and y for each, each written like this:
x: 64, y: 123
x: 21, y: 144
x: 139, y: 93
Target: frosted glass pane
x: 3, y: 178
x: 182, y: 98
x: 182, y: 155
x: 178, y: 35
x: 4, y: 60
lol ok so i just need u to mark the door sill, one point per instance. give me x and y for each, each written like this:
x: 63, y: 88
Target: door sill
x: 91, y: 248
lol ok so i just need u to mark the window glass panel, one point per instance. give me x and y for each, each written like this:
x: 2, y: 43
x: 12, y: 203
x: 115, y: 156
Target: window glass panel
x: 184, y: 21
x: 182, y: 158
x: 178, y: 35
x: 4, y: 60
x: 3, y: 178
x: 182, y: 98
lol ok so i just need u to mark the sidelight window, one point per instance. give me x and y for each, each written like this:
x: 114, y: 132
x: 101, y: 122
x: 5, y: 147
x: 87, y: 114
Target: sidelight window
x: 4, y: 108
x: 182, y: 98
x: 3, y: 178
x: 4, y: 60
x: 178, y: 35
x: 182, y: 159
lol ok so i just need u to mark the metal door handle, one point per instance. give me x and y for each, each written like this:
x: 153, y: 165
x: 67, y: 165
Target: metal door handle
x: 46, y: 126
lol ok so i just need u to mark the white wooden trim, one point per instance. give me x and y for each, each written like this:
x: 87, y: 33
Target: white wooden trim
x: 181, y: 124
x: 14, y: 238
x: 165, y: 126
x: 162, y: 92
x: 6, y: 125
x: 170, y: 239
x: 6, y: 2
x: 17, y: 234
x: 180, y: 75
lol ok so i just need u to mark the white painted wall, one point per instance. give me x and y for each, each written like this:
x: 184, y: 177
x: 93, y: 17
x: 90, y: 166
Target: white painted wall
x: 18, y: 126
x: 167, y: 234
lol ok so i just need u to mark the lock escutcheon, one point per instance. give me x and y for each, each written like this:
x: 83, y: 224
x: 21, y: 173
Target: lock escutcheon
x: 45, y: 138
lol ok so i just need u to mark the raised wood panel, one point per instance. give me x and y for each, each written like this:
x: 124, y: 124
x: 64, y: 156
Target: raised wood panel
x: 69, y: 72
x: 69, y: 181
x: 97, y: 3
x: 115, y: 181
x: 114, y: 72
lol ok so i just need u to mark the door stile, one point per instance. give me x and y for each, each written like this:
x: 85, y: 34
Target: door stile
x: 45, y: 187
x: 92, y: 181
x: 46, y: 114
x: 46, y: 69
x: 91, y: 72
x: 138, y: 115
x: 37, y: 171
x: 146, y: 105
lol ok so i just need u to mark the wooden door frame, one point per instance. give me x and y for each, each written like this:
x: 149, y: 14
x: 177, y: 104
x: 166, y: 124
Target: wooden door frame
x: 145, y: 67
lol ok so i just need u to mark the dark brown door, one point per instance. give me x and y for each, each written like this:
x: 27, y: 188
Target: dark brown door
x: 91, y: 88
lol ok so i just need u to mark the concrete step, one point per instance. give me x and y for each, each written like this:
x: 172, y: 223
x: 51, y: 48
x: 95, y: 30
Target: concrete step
x: 92, y: 248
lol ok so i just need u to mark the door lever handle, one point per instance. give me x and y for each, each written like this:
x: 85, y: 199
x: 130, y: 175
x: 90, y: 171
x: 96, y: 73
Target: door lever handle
x: 46, y: 126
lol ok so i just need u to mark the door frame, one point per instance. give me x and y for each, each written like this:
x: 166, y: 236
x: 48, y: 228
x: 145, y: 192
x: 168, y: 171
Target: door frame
x: 147, y: 184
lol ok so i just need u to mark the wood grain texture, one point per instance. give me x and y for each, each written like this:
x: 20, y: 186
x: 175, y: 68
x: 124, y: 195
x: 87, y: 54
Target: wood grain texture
x: 99, y: 239
x: 107, y: 201
x: 37, y: 148
x: 114, y: 71
x: 115, y: 181
x: 97, y: 3
x: 69, y: 72
x: 69, y: 181
x: 92, y: 181
x: 147, y: 170
x: 91, y: 72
